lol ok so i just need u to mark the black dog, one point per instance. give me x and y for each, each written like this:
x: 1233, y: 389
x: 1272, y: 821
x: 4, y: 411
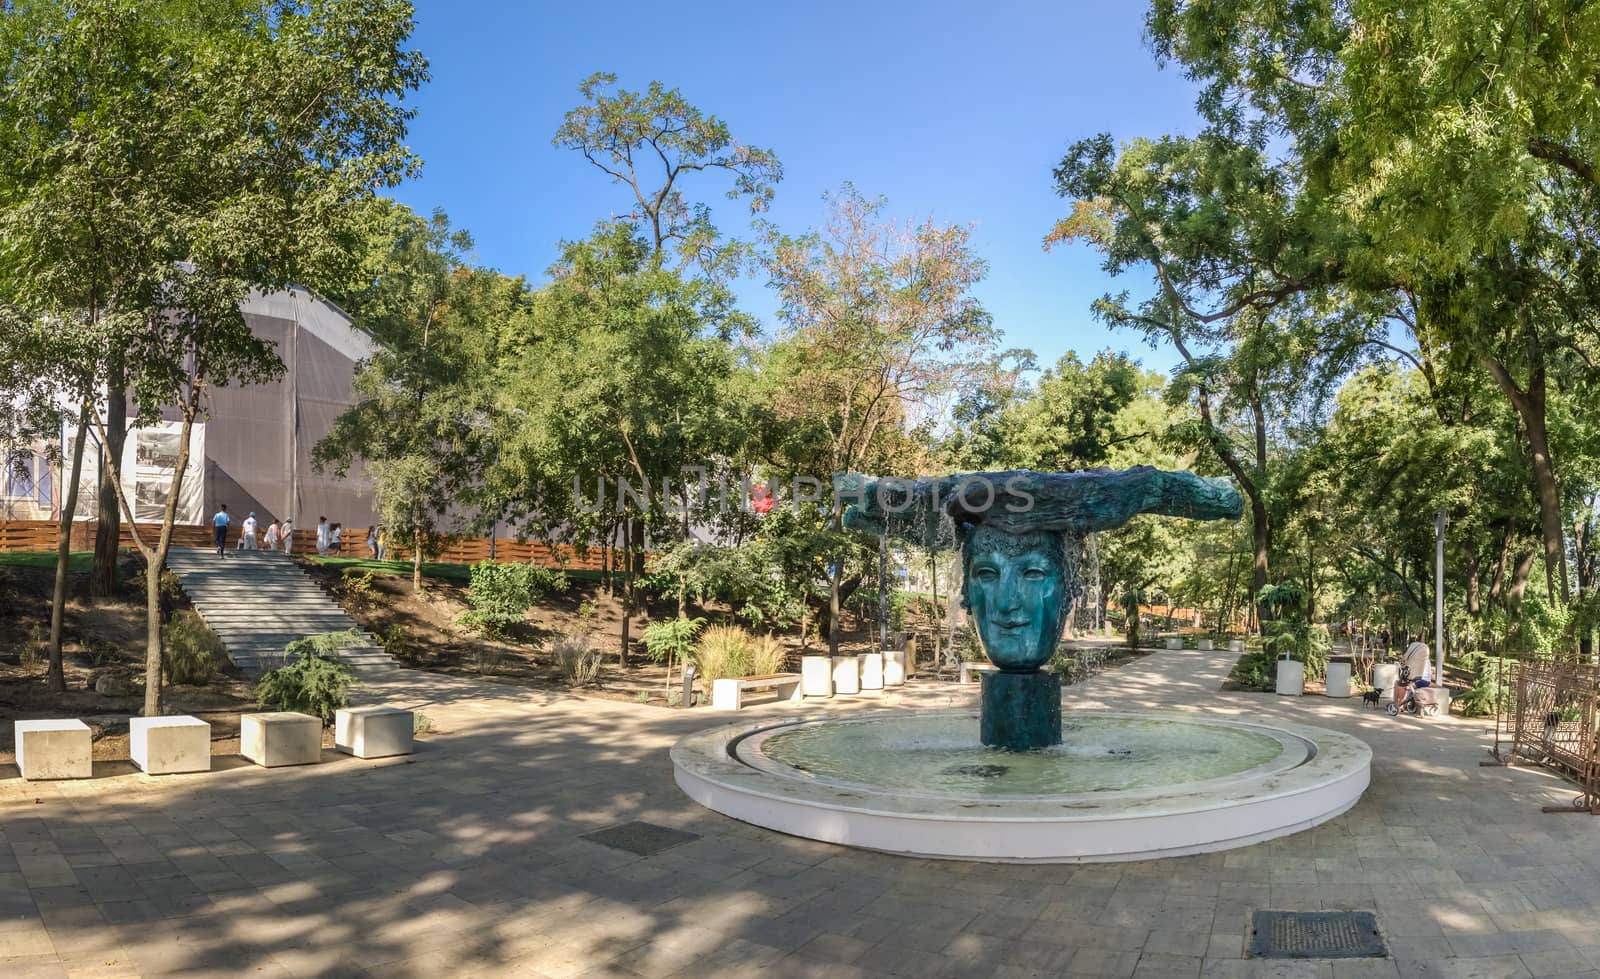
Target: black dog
x: 1370, y: 698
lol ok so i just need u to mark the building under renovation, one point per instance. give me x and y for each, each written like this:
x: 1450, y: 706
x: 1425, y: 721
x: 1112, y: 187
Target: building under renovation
x: 251, y: 449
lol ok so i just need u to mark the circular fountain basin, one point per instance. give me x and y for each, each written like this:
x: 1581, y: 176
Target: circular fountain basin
x: 1122, y: 785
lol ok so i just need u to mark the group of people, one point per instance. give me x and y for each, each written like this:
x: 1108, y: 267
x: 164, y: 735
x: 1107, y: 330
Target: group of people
x: 330, y: 537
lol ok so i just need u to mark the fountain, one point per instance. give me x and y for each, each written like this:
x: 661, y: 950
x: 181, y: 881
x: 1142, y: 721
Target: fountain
x: 1103, y: 785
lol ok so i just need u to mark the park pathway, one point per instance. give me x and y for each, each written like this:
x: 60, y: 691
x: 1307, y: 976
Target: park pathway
x: 469, y: 859
x: 257, y: 602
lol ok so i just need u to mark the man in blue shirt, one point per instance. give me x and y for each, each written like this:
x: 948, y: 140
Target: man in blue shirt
x: 219, y: 526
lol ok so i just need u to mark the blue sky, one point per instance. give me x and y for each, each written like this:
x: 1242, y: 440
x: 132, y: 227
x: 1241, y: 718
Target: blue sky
x: 953, y: 110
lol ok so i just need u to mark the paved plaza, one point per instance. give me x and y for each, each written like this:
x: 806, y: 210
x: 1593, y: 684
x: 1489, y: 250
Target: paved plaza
x: 467, y: 860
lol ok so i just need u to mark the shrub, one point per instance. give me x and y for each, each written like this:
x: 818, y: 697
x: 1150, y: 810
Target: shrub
x: 489, y: 659
x: 357, y: 589
x: 421, y: 723
x: 168, y: 589
x: 314, y: 682
x: 767, y: 655
x: 577, y: 659
x: 190, y: 651
x: 671, y: 640
x: 500, y: 594
x: 396, y: 641
x: 722, y: 652
x: 1256, y: 670
x: 1491, y: 688
x: 1307, y: 644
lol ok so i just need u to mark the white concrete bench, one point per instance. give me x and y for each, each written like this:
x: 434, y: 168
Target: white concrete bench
x: 373, y: 732
x: 728, y: 694
x: 279, y: 738
x: 169, y: 745
x: 54, y: 749
x: 1174, y: 643
x: 968, y: 670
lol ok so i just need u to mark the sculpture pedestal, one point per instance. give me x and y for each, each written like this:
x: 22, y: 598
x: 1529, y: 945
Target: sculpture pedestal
x: 1021, y: 711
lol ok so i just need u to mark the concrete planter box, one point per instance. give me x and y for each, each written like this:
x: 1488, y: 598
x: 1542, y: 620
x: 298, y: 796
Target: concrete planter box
x: 54, y: 749
x: 1174, y: 643
x: 169, y: 745
x: 1205, y: 644
x: 1235, y: 645
x: 894, y: 667
x: 373, y: 732
x: 872, y: 671
x: 1291, y: 678
x: 1337, y: 682
x: 816, y: 676
x: 1384, y: 677
x: 847, y: 674
x: 276, y: 739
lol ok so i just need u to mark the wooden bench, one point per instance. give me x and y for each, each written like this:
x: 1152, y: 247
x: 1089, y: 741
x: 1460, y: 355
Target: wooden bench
x: 968, y: 669
x: 728, y: 694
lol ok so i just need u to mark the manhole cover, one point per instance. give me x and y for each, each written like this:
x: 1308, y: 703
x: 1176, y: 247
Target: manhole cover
x: 1315, y: 935
x: 640, y: 837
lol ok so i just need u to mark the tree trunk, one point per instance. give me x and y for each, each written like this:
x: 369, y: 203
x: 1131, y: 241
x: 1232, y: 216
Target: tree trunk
x: 1261, y: 537
x: 1530, y: 406
x: 108, y: 528
x: 835, y: 573
x: 57, y: 678
x: 627, y: 591
x: 417, y: 541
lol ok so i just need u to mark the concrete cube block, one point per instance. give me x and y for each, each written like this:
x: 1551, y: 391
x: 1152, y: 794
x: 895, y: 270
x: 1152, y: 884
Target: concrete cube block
x: 54, y: 749
x: 816, y: 676
x: 373, y: 732
x: 168, y: 745
x: 894, y: 667
x: 1205, y: 644
x: 1174, y: 643
x: 727, y: 694
x: 280, y: 738
x: 847, y: 674
x: 872, y: 671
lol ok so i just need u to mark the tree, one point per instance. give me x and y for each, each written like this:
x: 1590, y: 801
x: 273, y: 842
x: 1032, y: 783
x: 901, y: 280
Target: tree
x: 1471, y: 190
x: 881, y: 332
x: 417, y: 426
x: 231, y: 145
x: 615, y: 398
x: 652, y: 142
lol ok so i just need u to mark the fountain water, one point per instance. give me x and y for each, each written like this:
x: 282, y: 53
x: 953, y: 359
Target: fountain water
x: 1118, y: 786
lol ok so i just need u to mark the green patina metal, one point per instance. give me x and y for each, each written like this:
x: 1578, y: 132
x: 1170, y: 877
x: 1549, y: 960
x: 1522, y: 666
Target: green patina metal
x: 1021, y: 535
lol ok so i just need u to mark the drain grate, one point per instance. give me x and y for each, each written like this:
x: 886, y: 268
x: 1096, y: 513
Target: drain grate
x: 640, y: 837
x: 1315, y: 935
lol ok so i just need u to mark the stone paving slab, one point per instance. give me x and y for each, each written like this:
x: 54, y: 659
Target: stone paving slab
x: 466, y: 859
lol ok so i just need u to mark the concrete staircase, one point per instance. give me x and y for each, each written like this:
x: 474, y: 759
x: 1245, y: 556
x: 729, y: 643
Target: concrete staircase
x: 257, y: 602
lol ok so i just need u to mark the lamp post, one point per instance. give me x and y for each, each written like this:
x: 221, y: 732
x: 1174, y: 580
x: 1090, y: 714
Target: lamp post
x: 1438, y: 595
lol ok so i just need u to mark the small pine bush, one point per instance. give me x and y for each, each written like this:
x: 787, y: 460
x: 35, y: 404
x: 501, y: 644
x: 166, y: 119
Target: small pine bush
x: 500, y: 594
x: 314, y: 682
x: 190, y: 651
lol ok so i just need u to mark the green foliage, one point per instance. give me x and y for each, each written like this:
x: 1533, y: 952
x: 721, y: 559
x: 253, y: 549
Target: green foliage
x: 1310, y: 645
x: 1256, y: 670
x: 398, y: 642
x: 501, y: 594
x: 1492, y: 687
x: 357, y: 589
x: 314, y: 681
x: 671, y: 640
x: 190, y: 650
x: 725, y: 651
x: 1542, y: 629
x: 421, y: 723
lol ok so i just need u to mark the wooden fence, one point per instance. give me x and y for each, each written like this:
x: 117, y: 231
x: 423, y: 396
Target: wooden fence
x: 40, y: 535
x: 1550, y: 720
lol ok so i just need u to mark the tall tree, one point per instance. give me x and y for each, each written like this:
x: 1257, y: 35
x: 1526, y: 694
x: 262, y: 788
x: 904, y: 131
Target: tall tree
x: 652, y: 142
x: 416, y: 427
x: 881, y: 332
x: 226, y: 145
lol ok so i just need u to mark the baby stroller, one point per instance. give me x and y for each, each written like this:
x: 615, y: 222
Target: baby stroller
x: 1418, y: 702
